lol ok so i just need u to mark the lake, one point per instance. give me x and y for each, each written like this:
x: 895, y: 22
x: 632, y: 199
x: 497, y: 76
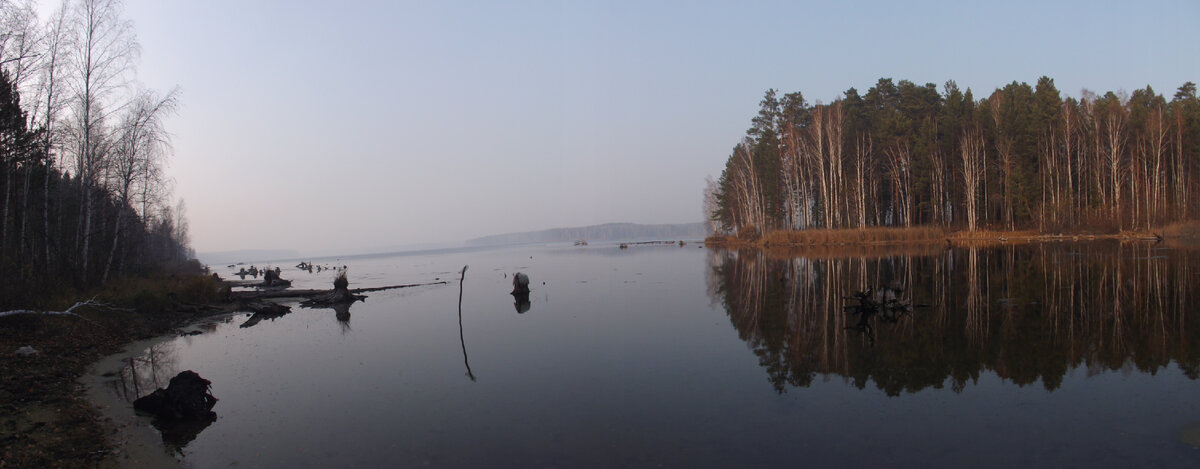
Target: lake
x: 1046, y: 355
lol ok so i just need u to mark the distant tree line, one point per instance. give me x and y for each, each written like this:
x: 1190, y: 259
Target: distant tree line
x: 82, y: 148
x: 903, y: 154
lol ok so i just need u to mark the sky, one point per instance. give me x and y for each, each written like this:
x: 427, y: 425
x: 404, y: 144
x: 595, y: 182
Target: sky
x: 326, y: 127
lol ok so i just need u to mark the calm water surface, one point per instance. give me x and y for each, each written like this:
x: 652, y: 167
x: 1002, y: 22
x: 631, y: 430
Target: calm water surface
x: 1057, y: 355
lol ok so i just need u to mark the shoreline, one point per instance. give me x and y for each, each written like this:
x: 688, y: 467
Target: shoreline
x: 59, y: 410
x: 133, y: 440
x: 57, y: 407
x: 54, y: 411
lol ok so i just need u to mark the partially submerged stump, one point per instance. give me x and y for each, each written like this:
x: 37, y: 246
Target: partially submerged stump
x: 520, y: 283
x: 271, y: 279
x: 520, y: 292
x: 340, y: 294
x: 187, y: 397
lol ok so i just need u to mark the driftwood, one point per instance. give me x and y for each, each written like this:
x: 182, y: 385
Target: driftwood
x: 263, y: 310
x: 339, y: 299
x: 68, y: 312
x: 308, y: 293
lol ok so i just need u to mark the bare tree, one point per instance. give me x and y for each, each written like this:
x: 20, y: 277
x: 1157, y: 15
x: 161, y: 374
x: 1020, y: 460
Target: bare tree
x: 861, y: 175
x: 18, y: 56
x: 937, y: 183
x: 1157, y: 141
x: 1113, y: 138
x: 971, y: 149
x: 1004, y: 150
x: 749, y: 209
x: 899, y: 161
x: 140, y: 146
x: 709, y: 205
x: 1180, y: 172
x: 105, y: 51
x: 19, y: 39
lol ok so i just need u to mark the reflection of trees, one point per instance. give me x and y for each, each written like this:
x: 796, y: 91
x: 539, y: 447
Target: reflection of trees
x: 144, y: 373
x: 1027, y: 313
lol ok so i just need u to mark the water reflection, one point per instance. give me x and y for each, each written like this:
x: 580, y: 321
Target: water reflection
x: 342, y: 314
x: 1027, y: 313
x: 521, y: 302
x: 887, y: 304
x: 142, y: 374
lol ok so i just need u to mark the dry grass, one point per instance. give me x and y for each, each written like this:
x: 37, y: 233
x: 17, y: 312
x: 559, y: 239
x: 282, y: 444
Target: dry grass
x: 993, y: 234
x: 1184, y: 229
x: 858, y: 236
x: 832, y: 242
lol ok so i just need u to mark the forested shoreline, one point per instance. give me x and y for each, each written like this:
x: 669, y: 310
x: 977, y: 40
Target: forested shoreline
x: 906, y: 155
x: 84, y: 194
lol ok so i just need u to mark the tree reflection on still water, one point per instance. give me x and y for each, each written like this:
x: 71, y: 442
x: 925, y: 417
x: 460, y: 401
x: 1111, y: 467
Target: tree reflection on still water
x: 1026, y: 313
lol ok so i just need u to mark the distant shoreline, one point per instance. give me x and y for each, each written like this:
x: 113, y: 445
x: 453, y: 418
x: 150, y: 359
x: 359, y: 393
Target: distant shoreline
x: 604, y: 232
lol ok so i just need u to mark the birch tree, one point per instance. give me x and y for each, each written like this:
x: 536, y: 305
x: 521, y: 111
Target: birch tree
x: 140, y: 147
x: 971, y: 150
x: 104, y: 53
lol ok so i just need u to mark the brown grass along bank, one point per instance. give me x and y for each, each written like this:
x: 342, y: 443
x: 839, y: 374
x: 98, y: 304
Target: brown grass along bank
x: 830, y: 237
x: 832, y: 241
x: 45, y: 419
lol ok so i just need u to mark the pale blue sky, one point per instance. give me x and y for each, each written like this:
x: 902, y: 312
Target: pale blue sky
x: 325, y: 127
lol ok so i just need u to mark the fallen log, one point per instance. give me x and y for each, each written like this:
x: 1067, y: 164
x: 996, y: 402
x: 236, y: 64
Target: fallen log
x: 310, y: 293
x: 241, y: 283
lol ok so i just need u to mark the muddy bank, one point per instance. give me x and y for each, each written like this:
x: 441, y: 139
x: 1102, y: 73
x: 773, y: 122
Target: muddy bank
x: 46, y: 417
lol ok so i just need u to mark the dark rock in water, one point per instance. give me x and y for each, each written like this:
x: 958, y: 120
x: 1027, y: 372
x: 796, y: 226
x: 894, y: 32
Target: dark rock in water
x: 187, y: 397
x: 520, y: 283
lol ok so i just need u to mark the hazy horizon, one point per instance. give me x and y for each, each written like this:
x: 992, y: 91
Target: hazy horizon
x: 315, y: 127
x: 248, y: 254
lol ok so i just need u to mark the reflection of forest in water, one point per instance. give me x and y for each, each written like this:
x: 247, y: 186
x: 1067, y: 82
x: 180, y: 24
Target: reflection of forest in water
x: 1023, y: 312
